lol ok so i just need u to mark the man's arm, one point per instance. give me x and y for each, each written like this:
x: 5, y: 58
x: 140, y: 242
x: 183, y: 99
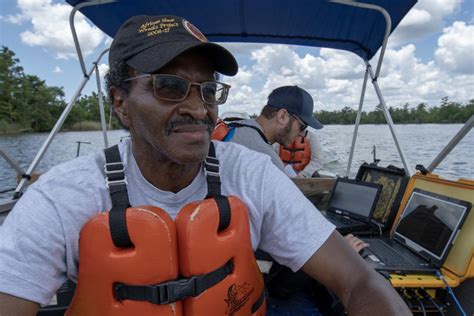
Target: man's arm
x: 12, y: 305
x: 360, y: 288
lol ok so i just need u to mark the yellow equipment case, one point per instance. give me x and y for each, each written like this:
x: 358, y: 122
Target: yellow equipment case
x: 459, y: 265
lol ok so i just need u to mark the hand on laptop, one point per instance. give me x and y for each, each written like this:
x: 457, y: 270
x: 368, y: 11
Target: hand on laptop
x: 355, y: 242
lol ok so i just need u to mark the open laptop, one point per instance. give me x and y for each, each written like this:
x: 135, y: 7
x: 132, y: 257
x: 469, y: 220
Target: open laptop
x: 421, y: 241
x: 352, y: 204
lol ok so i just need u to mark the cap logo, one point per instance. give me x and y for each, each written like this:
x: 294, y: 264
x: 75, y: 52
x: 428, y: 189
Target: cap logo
x: 157, y: 27
x: 194, y: 31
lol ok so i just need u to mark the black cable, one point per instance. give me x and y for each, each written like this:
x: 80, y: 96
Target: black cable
x: 450, y: 291
x: 428, y: 297
x: 415, y: 296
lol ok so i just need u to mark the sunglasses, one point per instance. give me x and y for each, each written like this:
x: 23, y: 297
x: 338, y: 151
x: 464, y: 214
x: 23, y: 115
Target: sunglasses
x: 174, y: 88
x: 301, y: 124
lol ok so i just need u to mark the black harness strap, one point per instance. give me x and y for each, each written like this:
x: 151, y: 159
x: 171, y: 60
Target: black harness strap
x: 211, y: 169
x: 237, y: 124
x: 116, y: 182
x: 294, y: 150
x: 172, y: 291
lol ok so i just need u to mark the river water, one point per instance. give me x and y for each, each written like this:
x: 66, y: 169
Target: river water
x: 420, y: 143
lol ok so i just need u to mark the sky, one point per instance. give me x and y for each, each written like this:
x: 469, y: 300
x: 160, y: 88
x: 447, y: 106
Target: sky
x: 429, y: 56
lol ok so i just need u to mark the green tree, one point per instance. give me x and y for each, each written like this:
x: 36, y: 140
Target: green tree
x: 10, y: 74
x: 25, y: 100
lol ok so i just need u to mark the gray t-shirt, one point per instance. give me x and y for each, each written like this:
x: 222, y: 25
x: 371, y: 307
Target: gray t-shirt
x: 39, y: 238
x: 251, y: 139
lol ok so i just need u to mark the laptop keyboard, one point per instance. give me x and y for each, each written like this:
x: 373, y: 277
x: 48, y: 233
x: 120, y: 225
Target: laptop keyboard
x: 387, y: 254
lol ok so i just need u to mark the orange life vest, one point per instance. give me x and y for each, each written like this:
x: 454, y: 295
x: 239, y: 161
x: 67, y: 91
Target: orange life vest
x: 298, y: 154
x: 224, y: 130
x: 220, y: 130
x: 200, y: 264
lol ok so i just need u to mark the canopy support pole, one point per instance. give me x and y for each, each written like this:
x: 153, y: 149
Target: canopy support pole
x: 388, y: 117
x: 356, y: 127
x: 73, y: 29
x: 54, y: 131
x: 454, y: 141
x: 12, y: 162
x: 101, y: 101
x: 388, y: 26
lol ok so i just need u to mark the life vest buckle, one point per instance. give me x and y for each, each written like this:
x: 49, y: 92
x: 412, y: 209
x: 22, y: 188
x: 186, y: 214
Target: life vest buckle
x: 159, y: 294
x: 212, y: 167
x: 114, y: 168
x: 179, y: 289
x: 115, y: 174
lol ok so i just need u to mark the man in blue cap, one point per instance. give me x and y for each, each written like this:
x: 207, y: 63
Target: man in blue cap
x: 286, y: 115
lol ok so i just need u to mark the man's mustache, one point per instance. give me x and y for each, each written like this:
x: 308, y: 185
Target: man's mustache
x: 188, y: 121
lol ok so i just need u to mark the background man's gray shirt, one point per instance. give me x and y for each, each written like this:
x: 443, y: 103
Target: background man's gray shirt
x: 251, y: 139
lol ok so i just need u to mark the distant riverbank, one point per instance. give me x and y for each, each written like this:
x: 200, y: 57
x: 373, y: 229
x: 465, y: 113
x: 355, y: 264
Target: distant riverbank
x: 421, y: 143
x: 8, y: 129
x: 89, y: 126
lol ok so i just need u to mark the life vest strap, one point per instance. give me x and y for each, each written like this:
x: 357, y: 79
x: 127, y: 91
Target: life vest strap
x: 211, y: 170
x: 116, y: 182
x: 294, y: 150
x: 224, y: 211
x: 172, y: 291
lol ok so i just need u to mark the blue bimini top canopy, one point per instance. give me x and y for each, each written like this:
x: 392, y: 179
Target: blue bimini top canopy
x: 317, y: 23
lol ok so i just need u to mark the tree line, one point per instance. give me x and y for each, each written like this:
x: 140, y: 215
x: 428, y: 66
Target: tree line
x: 27, y: 103
x: 446, y: 112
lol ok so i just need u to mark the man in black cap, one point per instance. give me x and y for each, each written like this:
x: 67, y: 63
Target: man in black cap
x: 163, y: 87
x: 286, y: 115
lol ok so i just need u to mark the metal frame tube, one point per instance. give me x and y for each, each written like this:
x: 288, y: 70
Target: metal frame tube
x: 388, y: 25
x: 56, y: 128
x: 101, y: 101
x: 12, y: 162
x: 356, y: 127
x: 68, y: 108
x: 388, y: 117
x: 452, y: 143
x: 73, y: 29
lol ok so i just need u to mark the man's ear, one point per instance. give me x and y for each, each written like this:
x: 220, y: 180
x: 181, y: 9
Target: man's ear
x: 120, y: 105
x: 283, y: 117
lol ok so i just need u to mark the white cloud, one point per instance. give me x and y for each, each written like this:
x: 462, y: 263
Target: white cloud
x: 425, y: 18
x: 456, y: 48
x: 334, y: 78
x: 16, y: 19
x: 103, y: 69
x: 57, y: 70
x: 50, y: 28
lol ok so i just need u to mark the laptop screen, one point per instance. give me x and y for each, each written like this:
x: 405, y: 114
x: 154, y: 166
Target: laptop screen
x: 354, y: 198
x: 429, y: 223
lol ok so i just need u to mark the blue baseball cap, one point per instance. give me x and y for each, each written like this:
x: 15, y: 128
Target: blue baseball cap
x: 296, y: 101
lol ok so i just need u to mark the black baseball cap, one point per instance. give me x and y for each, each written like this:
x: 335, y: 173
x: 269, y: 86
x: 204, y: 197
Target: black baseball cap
x: 147, y: 43
x: 296, y: 101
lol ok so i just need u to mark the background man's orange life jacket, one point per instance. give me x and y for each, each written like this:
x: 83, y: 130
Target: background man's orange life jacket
x: 220, y: 130
x: 224, y: 131
x: 298, y: 154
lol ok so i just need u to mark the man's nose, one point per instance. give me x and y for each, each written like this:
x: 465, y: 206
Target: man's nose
x: 193, y: 105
